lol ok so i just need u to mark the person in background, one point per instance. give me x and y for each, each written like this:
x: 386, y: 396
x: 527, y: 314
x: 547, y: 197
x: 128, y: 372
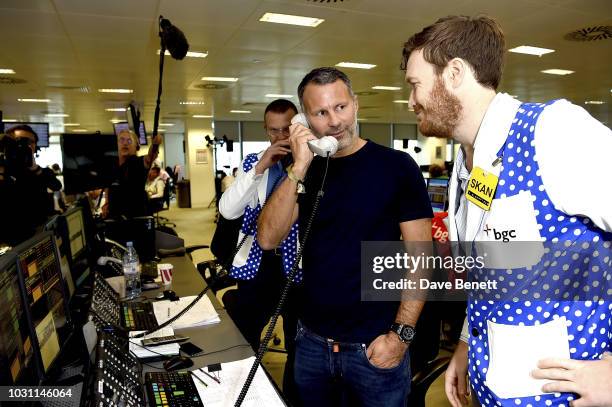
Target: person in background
x: 127, y: 196
x: 261, y: 274
x: 155, y: 184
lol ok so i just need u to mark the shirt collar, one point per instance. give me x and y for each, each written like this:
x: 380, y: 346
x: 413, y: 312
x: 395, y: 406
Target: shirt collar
x: 494, y: 129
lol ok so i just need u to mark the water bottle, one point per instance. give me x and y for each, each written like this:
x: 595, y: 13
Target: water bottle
x: 131, y: 271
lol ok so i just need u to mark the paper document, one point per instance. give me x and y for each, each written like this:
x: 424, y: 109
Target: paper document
x: 169, y: 349
x: 515, y: 352
x: 202, y: 313
x: 232, y: 376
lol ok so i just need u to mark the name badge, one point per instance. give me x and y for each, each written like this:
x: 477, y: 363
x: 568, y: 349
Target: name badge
x: 481, y: 188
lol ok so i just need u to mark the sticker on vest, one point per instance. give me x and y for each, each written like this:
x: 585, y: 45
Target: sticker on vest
x: 481, y: 188
x: 514, y: 352
x: 510, y: 236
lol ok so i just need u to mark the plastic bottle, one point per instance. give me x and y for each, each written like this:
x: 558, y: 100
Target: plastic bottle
x: 131, y: 271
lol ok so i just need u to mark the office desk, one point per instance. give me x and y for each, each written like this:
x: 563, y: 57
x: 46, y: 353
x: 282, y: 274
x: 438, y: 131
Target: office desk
x: 186, y: 281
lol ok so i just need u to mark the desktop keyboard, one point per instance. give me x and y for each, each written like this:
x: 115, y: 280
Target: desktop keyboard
x: 172, y: 390
x: 138, y: 316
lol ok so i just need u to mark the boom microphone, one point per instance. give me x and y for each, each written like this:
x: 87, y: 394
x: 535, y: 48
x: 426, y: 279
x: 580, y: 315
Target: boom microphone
x: 173, y: 39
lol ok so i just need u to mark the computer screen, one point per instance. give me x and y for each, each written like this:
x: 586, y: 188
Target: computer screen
x: 90, y: 161
x: 15, y: 341
x: 141, y: 129
x: 77, y: 238
x: 437, y: 190
x: 45, y: 298
x: 57, y: 226
x: 41, y: 129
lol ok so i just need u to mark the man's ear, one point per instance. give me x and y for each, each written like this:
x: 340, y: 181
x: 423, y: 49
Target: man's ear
x: 455, y: 72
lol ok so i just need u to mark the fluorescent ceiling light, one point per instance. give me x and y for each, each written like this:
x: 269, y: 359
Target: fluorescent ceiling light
x: 72, y: 124
x: 240, y: 111
x: 35, y: 100
x: 557, y: 71
x: 191, y: 102
x: 529, y: 50
x: 116, y: 109
x: 401, y: 101
x: 278, y: 95
x: 57, y: 115
x: 166, y: 124
x: 116, y: 90
x: 190, y: 54
x: 355, y: 65
x: 9, y: 120
x: 201, y: 116
x: 378, y: 87
x: 594, y: 102
x: 219, y: 79
x: 161, y: 130
x: 80, y: 130
x: 114, y: 121
x: 6, y: 71
x: 291, y: 19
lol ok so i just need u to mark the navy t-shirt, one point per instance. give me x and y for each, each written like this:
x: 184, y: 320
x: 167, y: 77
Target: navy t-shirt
x: 366, y: 196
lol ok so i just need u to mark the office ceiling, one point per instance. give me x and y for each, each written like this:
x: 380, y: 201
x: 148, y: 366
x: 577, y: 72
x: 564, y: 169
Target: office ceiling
x: 65, y: 50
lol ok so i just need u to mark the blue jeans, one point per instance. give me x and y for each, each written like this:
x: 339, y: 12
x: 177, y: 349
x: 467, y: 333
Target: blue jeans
x: 329, y: 373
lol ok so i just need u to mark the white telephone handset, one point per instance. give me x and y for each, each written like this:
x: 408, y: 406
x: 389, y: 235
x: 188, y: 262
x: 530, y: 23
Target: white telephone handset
x: 322, y: 146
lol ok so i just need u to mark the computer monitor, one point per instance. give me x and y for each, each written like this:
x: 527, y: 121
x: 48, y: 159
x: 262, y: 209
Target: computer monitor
x: 139, y: 230
x: 16, y: 362
x: 437, y: 189
x: 57, y: 226
x: 142, y: 139
x: 41, y: 129
x: 77, y: 237
x: 91, y: 161
x: 44, y: 298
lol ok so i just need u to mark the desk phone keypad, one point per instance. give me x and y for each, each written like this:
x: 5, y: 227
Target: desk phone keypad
x: 175, y: 389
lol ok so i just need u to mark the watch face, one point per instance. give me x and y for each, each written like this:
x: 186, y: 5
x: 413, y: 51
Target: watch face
x: 407, y: 334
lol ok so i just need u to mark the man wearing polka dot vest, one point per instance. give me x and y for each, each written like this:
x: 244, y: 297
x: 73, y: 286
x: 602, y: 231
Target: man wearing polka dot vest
x: 535, y: 153
x: 261, y: 273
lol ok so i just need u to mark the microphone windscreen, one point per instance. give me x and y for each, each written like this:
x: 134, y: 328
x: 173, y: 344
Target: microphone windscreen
x: 174, y: 39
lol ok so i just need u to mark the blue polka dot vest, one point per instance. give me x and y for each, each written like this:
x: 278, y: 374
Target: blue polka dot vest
x: 572, y: 280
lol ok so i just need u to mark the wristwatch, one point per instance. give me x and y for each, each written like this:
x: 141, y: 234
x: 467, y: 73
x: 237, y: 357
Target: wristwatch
x: 301, y: 188
x: 405, y: 332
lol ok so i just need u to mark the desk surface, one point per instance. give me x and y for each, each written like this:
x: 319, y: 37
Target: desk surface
x: 221, y: 342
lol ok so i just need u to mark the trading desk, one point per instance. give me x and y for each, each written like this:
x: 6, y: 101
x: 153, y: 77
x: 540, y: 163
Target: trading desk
x: 186, y: 281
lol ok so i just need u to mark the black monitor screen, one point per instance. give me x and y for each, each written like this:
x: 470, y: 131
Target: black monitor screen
x: 90, y: 161
x: 77, y: 239
x: 44, y: 297
x: 141, y: 129
x: 437, y: 190
x: 139, y: 230
x: 15, y: 342
x: 41, y: 129
x: 57, y: 226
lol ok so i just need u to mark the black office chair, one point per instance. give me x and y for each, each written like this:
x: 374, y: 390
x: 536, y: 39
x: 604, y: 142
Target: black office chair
x: 157, y: 205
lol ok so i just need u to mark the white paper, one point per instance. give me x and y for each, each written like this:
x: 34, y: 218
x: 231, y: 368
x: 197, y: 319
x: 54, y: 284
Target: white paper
x: 202, y: 313
x: 514, y: 352
x: 169, y: 349
x: 233, y: 375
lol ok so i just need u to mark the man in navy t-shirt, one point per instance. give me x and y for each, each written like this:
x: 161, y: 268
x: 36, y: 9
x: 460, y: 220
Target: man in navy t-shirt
x: 348, y: 352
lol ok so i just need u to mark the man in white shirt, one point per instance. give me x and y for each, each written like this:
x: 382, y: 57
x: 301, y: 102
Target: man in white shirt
x: 533, y: 156
x: 261, y: 274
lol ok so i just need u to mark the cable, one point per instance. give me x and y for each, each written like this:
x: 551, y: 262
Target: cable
x: 284, y: 294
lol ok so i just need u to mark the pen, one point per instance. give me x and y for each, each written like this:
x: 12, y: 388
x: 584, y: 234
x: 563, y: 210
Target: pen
x: 168, y: 312
x: 200, y: 380
x: 209, y: 375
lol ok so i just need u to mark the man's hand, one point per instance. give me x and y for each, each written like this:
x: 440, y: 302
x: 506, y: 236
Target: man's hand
x: 386, y: 351
x: 590, y: 379
x: 272, y: 155
x: 302, y: 156
x: 455, y: 379
x: 157, y: 139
